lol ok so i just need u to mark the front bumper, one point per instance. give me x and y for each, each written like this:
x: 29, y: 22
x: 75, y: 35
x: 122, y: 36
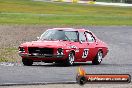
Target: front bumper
x: 41, y: 56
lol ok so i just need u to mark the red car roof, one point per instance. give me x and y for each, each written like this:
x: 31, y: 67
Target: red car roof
x: 68, y: 29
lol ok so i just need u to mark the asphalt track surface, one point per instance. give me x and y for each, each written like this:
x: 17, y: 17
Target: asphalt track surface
x: 118, y: 61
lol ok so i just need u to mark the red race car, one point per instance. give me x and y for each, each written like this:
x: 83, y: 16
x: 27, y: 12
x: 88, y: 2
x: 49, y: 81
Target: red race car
x: 64, y: 45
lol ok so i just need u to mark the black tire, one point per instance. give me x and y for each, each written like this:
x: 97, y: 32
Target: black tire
x: 81, y: 80
x: 70, y: 59
x: 27, y: 62
x: 98, y: 59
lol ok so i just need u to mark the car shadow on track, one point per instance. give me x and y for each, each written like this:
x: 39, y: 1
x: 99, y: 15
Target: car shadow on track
x: 62, y: 65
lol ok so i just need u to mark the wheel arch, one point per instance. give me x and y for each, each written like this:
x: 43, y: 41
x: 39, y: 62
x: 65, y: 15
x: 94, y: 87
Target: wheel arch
x: 73, y: 52
x: 101, y: 49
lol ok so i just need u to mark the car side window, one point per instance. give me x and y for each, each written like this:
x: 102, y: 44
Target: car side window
x: 72, y: 36
x: 90, y: 37
x: 82, y: 37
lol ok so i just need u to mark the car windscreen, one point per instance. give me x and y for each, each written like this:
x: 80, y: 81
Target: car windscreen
x: 59, y: 35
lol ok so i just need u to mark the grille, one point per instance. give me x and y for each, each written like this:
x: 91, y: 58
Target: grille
x: 40, y: 50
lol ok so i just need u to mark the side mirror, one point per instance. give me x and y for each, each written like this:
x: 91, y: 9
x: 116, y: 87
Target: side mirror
x: 38, y: 38
x: 81, y: 41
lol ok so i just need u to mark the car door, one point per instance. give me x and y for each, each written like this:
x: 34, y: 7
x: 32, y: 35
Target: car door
x: 92, y: 46
x: 83, y: 48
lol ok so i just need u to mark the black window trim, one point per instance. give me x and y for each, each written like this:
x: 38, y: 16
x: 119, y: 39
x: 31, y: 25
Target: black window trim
x: 92, y: 36
x: 79, y: 36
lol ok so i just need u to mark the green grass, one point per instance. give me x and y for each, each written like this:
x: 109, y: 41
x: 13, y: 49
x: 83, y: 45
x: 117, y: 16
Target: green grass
x: 31, y: 12
x: 8, y: 54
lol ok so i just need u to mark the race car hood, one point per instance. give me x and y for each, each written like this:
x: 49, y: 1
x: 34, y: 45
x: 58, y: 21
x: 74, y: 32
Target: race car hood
x: 42, y: 44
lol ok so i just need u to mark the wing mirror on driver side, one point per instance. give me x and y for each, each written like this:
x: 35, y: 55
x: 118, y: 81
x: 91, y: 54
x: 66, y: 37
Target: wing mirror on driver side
x: 38, y: 38
x: 81, y: 41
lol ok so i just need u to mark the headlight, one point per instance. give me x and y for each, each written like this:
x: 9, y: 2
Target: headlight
x: 60, y: 51
x: 21, y: 49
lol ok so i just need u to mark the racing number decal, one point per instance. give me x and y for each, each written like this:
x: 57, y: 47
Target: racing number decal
x: 85, y: 53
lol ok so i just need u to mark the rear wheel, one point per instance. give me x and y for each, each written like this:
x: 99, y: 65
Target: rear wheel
x: 27, y: 62
x: 98, y: 58
x: 70, y: 59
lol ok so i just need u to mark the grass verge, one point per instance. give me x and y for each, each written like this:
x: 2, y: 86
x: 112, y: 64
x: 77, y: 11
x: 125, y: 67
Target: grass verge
x: 8, y: 55
x: 31, y: 12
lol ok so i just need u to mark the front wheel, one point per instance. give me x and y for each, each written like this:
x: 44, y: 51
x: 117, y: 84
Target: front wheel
x: 27, y: 62
x: 70, y: 59
x: 98, y: 58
